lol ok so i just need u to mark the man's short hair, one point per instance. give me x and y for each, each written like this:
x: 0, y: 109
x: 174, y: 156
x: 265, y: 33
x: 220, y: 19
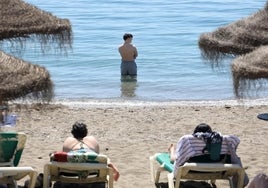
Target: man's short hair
x: 127, y: 35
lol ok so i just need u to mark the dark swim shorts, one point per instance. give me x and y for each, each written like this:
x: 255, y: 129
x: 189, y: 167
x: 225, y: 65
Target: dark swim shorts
x: 128, y: 68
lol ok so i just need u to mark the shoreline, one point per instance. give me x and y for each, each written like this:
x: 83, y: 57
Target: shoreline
x: 92, y: 103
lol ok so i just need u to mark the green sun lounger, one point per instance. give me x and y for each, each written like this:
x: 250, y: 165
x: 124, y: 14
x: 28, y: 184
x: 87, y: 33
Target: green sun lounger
x: 11, y: 148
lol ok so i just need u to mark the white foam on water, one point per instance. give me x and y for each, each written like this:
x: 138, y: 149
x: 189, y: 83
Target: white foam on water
x: 131, y: 103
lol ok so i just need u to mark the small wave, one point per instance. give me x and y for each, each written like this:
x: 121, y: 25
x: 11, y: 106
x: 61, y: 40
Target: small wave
x: 91, y: 103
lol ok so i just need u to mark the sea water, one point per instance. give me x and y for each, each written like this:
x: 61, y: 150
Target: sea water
x: 166, y: 33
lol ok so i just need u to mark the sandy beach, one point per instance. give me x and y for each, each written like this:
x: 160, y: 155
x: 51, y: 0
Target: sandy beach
x: 129, y: 135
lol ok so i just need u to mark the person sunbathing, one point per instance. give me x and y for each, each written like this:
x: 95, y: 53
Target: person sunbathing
x: 197, y: 146
x: 80, y: 140
x: 197, y: 141
x: 175, y: 154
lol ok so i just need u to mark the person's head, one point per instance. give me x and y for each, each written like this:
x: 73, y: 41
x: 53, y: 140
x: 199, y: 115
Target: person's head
x: 79, y: 130
x: 127, y: 36
x: 203, y: 128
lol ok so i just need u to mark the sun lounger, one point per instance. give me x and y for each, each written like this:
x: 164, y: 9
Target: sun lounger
x: 78, y: 168
x: 194, y: 171
x: 11, y: 147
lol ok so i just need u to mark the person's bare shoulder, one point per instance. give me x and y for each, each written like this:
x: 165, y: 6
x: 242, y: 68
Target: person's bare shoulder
x: 68, y: 143
x: 92, y: 142
x: 91, y: 138
x: 69, y: 140
x: 120, y: 46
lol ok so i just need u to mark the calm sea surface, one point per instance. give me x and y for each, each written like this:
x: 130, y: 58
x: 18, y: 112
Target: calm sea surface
x: 170, y: 67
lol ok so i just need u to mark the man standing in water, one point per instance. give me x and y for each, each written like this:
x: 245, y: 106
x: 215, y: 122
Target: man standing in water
x: 128, y: 54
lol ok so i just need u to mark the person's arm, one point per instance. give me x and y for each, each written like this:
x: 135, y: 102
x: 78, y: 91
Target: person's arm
x: 171, y: 150
x: 116, y: 173
x: 135, y: 52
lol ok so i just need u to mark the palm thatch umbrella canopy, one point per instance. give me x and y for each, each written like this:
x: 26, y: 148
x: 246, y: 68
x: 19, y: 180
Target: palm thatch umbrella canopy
x: 20, y: 21
x: 237, y: 38
x: 249, y: 69
x: 19, y: 79
x: 248, y: 40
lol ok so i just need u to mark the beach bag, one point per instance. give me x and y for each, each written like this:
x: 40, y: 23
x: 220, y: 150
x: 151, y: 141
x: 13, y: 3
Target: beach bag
x: 236, y: 160
x: 213, y: 142
x: 213, y: 146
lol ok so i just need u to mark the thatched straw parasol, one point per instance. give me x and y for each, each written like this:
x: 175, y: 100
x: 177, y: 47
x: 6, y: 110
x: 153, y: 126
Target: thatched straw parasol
x: 237, y: 38
x: 19, y: 79
x: 20, y: 21
x: 249, y: 69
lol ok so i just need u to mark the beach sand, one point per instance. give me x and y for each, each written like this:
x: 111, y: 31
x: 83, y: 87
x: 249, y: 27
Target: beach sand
x: 129, y: 135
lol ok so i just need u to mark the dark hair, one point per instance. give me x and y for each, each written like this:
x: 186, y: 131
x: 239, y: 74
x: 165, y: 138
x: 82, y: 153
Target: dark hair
x: 203, y: 127
x: 79, y: 130
x: 127, y: 35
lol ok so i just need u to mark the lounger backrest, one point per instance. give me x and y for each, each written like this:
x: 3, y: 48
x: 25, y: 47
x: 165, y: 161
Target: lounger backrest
x: 224, y: 158
x: 11, y: 148
x: 190, y: 146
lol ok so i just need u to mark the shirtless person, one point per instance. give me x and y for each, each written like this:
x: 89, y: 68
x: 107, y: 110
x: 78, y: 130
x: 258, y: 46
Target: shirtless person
x: 81, y: 140
x: 128, y: 54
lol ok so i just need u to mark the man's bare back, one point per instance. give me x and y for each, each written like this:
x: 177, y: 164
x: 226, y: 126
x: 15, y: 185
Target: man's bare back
x: 128, y: 52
